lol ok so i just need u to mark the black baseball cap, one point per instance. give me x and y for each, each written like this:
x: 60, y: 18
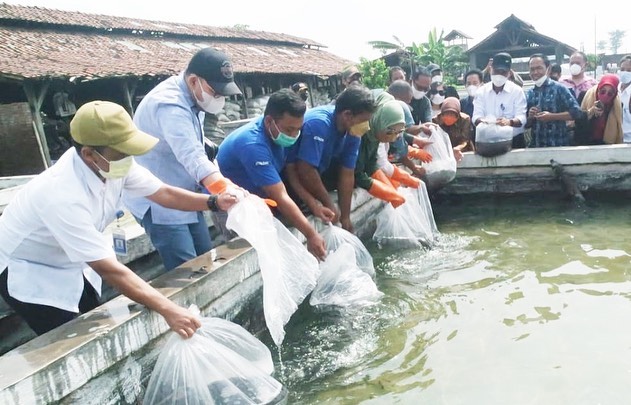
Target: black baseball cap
x: 214, y: 67
x: 502, y: 60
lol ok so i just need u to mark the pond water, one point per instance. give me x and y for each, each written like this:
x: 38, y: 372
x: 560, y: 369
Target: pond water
x: 522, y: 301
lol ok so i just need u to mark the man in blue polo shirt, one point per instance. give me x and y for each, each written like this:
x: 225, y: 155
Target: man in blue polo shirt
x: 253, y: 157
x: 324, y: 157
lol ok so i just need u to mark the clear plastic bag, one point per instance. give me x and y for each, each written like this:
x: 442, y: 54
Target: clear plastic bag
x: 221, y: 364
x: 492, y: 139
x: 393, y: 229
x: 442, y: 169
x: 289, y: 271
x: 334, y: 237
x: 342, y: 283
x: 418, y: 211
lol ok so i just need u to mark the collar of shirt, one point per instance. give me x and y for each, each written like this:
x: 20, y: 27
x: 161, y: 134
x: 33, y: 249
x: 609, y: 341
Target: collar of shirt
x: 95, y: 184
x: 181, y: 84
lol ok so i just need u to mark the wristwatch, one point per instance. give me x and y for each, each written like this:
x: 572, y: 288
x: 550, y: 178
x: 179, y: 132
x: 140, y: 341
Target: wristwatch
x: 212, y: 203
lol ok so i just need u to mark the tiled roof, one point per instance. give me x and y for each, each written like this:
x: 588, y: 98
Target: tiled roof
x: 49, y: 50
x: 45, y: 16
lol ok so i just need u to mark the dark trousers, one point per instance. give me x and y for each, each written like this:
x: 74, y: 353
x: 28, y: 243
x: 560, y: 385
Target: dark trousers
x: 42, y: 318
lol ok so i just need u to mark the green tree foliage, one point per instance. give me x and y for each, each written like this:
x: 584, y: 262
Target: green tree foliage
x: 601, y: 46
x: 374, y: 72
x: 592, y: 61
x: 451, y: 59
x: 615, y: 40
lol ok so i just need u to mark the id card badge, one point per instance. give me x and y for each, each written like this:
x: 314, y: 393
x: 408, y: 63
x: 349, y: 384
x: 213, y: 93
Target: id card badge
x: 120, y: 241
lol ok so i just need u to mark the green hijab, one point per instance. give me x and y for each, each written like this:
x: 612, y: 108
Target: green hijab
x: 388, y: 113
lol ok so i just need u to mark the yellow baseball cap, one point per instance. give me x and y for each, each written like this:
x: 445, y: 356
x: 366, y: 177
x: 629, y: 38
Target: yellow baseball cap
x: 103, y: 123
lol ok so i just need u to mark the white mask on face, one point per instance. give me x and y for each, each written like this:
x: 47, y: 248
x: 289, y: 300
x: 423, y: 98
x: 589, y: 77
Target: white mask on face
x: 575, y: 69
x: 471, y: 90
x: 209, y: 103
x: 437, y: 99
x: 437, y: 79
x: 625, y: 77
x: 499, y: 80
x: 539, y: 82
x: 417, y: 94
x: 118, y: 168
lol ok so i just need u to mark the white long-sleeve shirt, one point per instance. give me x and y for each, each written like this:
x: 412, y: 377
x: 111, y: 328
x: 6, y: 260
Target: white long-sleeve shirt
x: 509, y: 103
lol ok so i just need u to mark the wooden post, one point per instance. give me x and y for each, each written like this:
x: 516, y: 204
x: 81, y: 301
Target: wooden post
x: 129, y: 89
x: 244, y: 96
x: 569, y: 184
x: 35, y: 97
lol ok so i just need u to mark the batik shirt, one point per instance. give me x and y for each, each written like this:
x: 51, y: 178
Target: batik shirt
x: 554, y: 98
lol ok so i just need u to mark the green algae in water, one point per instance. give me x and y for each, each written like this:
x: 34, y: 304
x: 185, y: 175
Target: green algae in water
x: 522, y: 300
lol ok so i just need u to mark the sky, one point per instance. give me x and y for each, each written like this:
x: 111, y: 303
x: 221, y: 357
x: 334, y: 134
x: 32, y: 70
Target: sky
x: 345, y: 26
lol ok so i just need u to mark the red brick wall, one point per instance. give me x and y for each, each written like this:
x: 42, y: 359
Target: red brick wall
x: 19, y: 151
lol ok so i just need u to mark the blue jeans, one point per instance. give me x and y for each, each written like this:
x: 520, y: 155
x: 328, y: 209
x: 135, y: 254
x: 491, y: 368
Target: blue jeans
x: 177, y: 244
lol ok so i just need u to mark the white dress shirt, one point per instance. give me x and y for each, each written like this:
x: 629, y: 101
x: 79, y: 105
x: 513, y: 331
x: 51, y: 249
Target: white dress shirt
x: 509, y: 103
x: 626, y: 114
x: 54, y: 225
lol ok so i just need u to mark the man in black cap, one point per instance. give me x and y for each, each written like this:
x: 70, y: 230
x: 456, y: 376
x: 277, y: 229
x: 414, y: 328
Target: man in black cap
x: 501, y: 100
x: 174, y: 112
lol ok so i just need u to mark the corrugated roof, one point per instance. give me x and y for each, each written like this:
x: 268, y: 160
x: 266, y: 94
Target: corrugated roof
x: 54, y: 50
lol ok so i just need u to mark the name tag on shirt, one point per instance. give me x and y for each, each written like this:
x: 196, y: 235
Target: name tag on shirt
x: 120, y: 241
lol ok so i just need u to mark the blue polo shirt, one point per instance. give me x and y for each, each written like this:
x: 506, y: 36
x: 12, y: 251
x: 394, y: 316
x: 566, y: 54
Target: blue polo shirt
x: 321, y: 144
x: 250, y: 158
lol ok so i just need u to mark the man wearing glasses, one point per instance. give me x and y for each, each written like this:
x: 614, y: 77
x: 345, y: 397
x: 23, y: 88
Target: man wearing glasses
x: 174, y: 113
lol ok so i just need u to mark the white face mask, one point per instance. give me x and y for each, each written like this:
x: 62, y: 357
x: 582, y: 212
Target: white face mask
x: 209, y: 103
x: 471, y: 90
x: 575, y: 69
x: 498, y: 80
x: 625, y: 77
x: 118, y: 168
x: 417, y: 94
x: 437, y: 79
x: 539, y: 82
x: 437, y: 99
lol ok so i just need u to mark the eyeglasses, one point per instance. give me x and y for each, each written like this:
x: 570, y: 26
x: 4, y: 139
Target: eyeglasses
x: 394, y: 131
x: 603, y: 92
x: 440, y: 92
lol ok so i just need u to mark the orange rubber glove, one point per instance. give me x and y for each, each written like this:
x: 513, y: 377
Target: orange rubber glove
x: 405, y: 178
x: 219, y: 186
x: 419, y: 154
x: 394, y: 183
x: 381, y: 176
x: 385, y: 191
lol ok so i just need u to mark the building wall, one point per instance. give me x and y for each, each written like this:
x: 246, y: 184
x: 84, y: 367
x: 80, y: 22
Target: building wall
x: 19, y: 150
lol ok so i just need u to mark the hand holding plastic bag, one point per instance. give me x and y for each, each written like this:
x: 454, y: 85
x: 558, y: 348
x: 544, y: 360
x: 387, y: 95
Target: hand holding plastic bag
x: 334, y: 237
x: 222, y: 363
x: 442, y: 169
x: 342, y: 283
x: 289, y: 271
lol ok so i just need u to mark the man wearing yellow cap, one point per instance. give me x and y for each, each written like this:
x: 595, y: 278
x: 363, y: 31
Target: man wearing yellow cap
x: 53, y: 253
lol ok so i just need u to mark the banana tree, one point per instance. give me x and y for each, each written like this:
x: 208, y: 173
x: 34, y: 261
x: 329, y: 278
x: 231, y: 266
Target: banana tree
x: 450, y: 58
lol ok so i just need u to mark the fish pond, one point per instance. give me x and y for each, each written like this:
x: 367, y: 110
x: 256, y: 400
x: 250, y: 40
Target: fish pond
x: 522, y: 300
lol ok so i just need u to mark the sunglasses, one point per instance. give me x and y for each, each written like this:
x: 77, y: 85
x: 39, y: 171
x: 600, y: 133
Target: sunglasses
x: 441, y: 92
x: 603, y: 92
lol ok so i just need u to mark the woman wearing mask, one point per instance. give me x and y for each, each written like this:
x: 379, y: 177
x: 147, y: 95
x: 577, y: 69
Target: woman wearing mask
x: 436, y: 96
x: 457, y: 125
x: 603, y: 124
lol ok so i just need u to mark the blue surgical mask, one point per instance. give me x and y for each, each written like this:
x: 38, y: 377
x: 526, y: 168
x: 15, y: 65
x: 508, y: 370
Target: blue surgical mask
x: 283, y: 139
x: 625, y: 77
